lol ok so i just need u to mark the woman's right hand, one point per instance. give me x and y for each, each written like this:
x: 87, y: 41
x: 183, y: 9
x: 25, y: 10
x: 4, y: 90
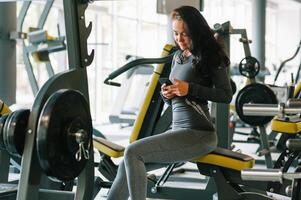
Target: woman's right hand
x: 167, y: 92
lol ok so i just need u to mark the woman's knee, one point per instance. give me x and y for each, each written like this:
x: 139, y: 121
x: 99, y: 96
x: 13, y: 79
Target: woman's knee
x: 131, y: 152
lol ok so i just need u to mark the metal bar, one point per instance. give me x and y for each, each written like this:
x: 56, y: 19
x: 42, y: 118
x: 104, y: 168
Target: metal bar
x: 294, y: 144
x: 72, y: 34
x: 49, y: 69
x: 245, y: 41
x: 220, y: 111
x: 31, y: 77
x: 259, y: 32
x: 260, y: 109
x: 4, y: 167
x: 136, y: 63
x: 265, y: 147
x: 44, y: 14
x: 262, y: 175
x: 7, y: 53
x: 269, y: 110
x: 275, y: 175
x: 22, y: 15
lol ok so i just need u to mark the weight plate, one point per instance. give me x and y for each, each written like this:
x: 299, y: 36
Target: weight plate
x: 64, y: 114
x: 249, y: 67
x: 233, y: 86
x: 255, y: 93
x: 14, y: 131
x: 2, y: 122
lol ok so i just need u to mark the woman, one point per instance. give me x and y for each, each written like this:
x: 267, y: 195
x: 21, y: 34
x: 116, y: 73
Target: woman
x: 199, y: 74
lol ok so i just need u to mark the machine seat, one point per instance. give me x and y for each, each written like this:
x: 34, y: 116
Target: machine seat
x: 293, y: 126
x: 109, y: 148
x: 220, y: 157
x: 228, y: 159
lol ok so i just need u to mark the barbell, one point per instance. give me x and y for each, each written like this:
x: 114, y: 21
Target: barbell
x: 255, y: 93
x: 291, y: 107
x: 63, y: 135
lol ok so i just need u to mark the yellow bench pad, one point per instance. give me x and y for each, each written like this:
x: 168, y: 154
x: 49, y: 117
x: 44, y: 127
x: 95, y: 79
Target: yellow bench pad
x: 109, y: 148
x: 228, y: 159
x: 290, y: 127
x: 219, y: 157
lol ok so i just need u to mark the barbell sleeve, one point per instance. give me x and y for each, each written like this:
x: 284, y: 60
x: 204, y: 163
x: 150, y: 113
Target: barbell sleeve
x: 260, y: 109
x: 293, y: 103
x: 269, y: 109
x: 294, y: 144
x: 275, y: 175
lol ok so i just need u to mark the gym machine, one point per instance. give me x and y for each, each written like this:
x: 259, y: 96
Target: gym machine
x: 258, y: 93
x: 222, y: 161
x: 127, y: 102
x: 287, y: 112
x: 223, y: 165
x: 149, y: 120
x: 248, y: 67
x: 283, y: 63
x: 57, y: 132
x: 37, y: 43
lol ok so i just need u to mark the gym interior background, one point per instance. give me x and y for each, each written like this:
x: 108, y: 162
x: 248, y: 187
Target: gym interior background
x: 134, y: 27
x: 125, y: 30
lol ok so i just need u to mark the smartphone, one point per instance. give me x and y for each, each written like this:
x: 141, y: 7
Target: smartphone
x: 165, y: 80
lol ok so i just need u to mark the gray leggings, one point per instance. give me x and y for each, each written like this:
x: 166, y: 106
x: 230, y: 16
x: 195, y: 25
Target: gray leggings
x: 145, y: 154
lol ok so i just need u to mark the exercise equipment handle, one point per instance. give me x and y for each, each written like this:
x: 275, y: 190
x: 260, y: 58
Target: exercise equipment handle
x: 294, y: 144
x: 269, y: 109
x: 135, y: 63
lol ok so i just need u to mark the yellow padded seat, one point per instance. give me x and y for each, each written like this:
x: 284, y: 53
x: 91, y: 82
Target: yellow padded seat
x: 109, y: 148
x: 219, y: 157
x: 282, y: 126
x: 228, y: 159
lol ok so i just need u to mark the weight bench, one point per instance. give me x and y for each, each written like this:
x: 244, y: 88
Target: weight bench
x: 219, y: 157
x: 219, y: 160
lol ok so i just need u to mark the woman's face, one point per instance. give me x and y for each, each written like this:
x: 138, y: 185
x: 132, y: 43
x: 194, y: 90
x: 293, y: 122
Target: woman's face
x: 180, y: 35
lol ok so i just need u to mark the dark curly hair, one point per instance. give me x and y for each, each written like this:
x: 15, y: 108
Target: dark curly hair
x: 207, y: 50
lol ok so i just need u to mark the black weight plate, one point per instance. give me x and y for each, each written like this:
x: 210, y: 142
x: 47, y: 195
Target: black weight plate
x: 15, y: 130
x: 255, y: 93
x: 249, y: 67
x: 64, y: 113
x: 2, y: 122
x: 233, y: 86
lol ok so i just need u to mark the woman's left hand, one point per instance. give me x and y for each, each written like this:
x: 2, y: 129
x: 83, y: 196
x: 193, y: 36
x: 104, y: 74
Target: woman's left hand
x: 179, y: 88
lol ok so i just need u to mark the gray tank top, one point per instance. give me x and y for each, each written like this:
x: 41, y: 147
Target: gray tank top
x: 187, y: 113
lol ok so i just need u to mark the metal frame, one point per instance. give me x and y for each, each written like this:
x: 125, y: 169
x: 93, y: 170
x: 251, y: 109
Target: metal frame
x: 74, y: 78
x: 28, y: 50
